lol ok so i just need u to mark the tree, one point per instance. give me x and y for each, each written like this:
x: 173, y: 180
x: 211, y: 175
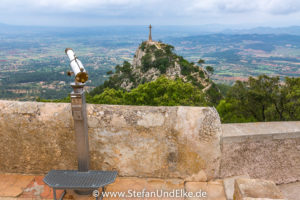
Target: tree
x: 126, y: 67
x: 262, y: 98
x: 146, y: 62
x: 201, y: 61
x: 210, y: 70
x: 292, y: 104
x: 108, y: 96
x: 230, y: 113
x: 259, y: 95
x: 213, y: 95
x: 109, y: 72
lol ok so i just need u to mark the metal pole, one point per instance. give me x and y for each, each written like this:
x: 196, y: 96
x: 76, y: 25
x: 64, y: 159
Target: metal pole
x: 78, y: 105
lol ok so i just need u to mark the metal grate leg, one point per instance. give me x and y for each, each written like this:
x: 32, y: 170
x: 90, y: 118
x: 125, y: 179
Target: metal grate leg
x: 54, y: 194
x: 62, y: 195
x: 101, y: 196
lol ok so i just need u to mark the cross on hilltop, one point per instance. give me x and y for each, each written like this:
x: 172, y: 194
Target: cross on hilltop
x: 150, y: 37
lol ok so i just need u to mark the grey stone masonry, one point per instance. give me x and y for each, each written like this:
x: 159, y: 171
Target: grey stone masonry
x: 268, y: 150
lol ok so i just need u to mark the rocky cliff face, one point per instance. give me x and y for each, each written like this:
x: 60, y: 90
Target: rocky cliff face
x: 153, y: 59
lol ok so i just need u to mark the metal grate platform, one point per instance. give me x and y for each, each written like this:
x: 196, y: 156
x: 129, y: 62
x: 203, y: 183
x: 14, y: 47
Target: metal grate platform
x: 72, y: 179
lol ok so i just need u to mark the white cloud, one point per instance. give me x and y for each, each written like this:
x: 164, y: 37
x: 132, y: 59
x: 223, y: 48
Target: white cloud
x: 216, y: 6
x: 239, y: 6
x: 165, y: 11
x: 65, y: 5
x: 280, y: 6
x: 220, y: 6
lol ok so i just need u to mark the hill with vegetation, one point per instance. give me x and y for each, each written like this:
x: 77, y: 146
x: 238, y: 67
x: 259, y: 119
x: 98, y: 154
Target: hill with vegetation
x: 156, y: 59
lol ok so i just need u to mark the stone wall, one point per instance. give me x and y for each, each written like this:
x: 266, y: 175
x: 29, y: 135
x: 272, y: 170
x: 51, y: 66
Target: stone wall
x: 164, y: 142
x: 144, y: 141
x: 269, y: 150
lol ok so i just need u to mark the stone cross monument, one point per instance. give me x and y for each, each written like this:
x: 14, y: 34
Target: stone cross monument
x: 150, y: 37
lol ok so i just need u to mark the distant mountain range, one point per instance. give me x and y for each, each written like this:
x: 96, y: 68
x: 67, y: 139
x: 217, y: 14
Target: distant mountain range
x: 161, y: 31
x: 291, y: 30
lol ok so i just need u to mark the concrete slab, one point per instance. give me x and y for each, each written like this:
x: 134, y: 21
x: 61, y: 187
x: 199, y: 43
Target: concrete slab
x: 12, y: 185
x: 291, y: 191
x: 229, y: 185
x: 256, y: 189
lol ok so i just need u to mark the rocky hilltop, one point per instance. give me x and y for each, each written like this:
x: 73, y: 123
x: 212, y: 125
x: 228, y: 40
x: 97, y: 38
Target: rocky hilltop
x: 153, y: 59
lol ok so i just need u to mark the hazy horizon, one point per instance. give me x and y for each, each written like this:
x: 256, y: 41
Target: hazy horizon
x: 224, y: 26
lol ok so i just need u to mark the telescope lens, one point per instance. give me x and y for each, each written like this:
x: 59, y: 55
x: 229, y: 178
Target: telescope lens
x: 82, y: 77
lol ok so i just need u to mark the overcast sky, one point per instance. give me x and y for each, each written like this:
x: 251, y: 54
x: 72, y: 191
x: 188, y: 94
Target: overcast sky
x: 158, y: 12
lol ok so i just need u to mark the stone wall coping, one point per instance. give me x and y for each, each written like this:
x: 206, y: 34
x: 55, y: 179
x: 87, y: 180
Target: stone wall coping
x: 272, y: 130
x: 89, y: 104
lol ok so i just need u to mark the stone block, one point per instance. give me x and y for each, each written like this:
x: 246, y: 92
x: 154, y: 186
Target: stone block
x: 126, y: 187
x: 213, y: 190
x: 229, y: 185
x: 37, y: 189
x: 12, y: 185
x: 256, y: 189
x: 140, y: 188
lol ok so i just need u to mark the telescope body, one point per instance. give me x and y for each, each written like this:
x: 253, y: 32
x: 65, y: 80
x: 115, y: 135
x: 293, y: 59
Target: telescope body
x: 80, y: 73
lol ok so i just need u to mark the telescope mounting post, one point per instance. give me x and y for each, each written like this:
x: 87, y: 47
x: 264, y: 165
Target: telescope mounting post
x: 78, y: 105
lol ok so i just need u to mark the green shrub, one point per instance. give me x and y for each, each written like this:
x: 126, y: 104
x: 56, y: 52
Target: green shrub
x: 146, y: 62
x: 143, y: 45
x: 201, y: 74
x: 161, y: 92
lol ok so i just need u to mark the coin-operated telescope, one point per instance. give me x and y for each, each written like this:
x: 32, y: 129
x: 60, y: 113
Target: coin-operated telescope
x: 84, y: 181
x: 78, y: 106
x: 79, y: 72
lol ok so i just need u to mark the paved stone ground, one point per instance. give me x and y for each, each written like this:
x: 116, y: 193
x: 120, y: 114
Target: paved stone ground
x: 28, y: 187
x: 291, y: 190
x: 23, y: 187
